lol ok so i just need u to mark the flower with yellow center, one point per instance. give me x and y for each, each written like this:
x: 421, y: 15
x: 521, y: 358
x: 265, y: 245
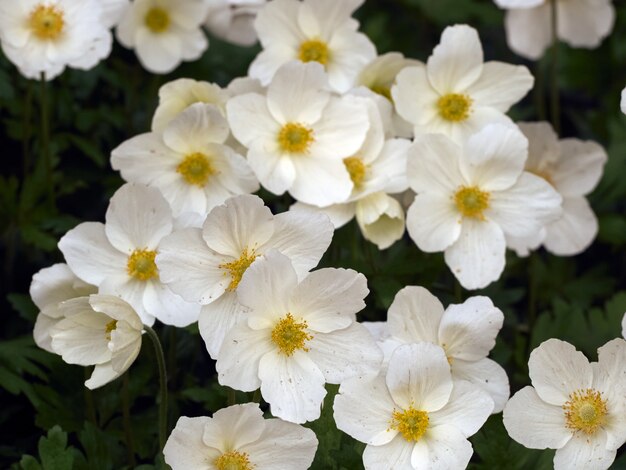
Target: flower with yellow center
x: 472, y: 202
x: 295, y: 138
x: 141, y: 265
x: 290, y: 335
x: 196, y: 169
x: 109, y: 328
x: 314, y: 50
x: 233, y: 460
x: 410, y: 423
x: 357, y: 170
x: 454, y: 107
x: 236, y: 269
x: 585, y: 411
x: 46, y: 22
x: 157, y: 20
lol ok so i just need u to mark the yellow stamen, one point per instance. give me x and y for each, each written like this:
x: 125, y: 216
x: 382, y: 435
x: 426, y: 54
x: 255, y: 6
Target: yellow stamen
x: 295, y: 138
x: 472, y: 202
x: 357, y: 170
x: 455, y: 107
x: 237, y: 268
x: 585, y: 411
x: 314, y: 50
x: 290, y: 335
x: 141, y: 265
x: 110, y: 327
x: 196, y: 169
x: 157, y: 20
x: 46, y: 22
x: 411, y: 423
x: 233, y: 460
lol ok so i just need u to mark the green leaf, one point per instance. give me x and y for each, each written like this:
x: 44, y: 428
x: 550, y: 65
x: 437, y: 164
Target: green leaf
x: 53, y: 451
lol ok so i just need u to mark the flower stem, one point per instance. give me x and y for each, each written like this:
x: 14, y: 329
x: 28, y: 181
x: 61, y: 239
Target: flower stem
x: 160, y: 357
x: 128, y: 432
x: 555, y: 105
x: 45, y: 141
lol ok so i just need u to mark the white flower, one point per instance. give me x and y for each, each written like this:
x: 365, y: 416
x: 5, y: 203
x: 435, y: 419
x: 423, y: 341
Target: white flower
x: 624, y: 325
x: 470, y: 197
x: 45, y: 36
x: 319, y: 31
x: 164, y: 32
x: 574, y: 168
x: 573, y: 406
x: 188, y: 162
x: 233, y: 20
x: 205, y: 265
x: 456, y: 94
x: 50, y: 287
x: 413, y: 416
x: 113, y: 11
x: 298, y: 136
x: 238, y: 438
x: 623, y: 102
x: 100, y: 330
x: 118, y: 256
x: 298, y: 336
x: 580, y: 23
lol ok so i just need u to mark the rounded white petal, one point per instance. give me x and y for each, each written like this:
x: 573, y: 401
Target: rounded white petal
x: 250, y: 119
x: 529, y: 30
x: 413, y: 96
x: 486, y: 374
x: 218, y: 318
x: 351, y: 51
x: 415, y: 315
x: 381, y: 219
x: 320, y: 182
x: 170, y: 308
x: 579, y: 170
x: 585, y: 453
x: 501, y: 85
x: 623, y: 102
x: 574, y: 231
x: 196, y: 127
x: 582, y: 23
x: 433, y: 165
x: 445, y: 447
x: 234, y: 427
x: 433, y: 222
x: 102, y: 374
x: 518, y: 3
x: 184, y: 449
x: 395, y: 454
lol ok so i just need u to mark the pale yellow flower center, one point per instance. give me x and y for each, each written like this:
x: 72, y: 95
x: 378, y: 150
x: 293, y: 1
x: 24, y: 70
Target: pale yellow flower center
x: 295, y: 138
x: 109, y: 328
x: 357, y: 170
x: 585, y: 411
x: 46, y: 22
x: 454, y: 107
x: 411, y: 423
x: 233, y: 460
x: 290, y: 335
x: 314, y: 50
x: 472, y: 202
x: 157, y: 20
x: 382, y: 90
x: 196, y: 169
x: 236, y: 269
x: 141, y: 265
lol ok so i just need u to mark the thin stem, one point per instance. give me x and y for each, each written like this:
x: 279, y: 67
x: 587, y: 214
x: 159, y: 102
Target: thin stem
x: 232, y: 397
x: 555, y: 105
x: 26, y: 128
x: 90, y: 408
x: 128, y: 432
x: 45, y: 139
x: 160, y: 357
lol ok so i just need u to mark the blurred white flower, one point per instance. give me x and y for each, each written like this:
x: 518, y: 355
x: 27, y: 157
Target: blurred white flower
x: 298, y: 336
x: 573, y: 406
x: 413, y: 416
x: 456, y: 94
x: 238, y: 438
x: 233, y: 20
x: 623, y: 102
x: 164, y: 32
x: 100, y: 330
x: 113, y: 11
x: 469, y: 197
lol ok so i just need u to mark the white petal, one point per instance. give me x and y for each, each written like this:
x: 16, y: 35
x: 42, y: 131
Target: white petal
x: 501, y: 85
x: 468, y: 409
x: 415, y: 315
x: 447, y: 448
x: 275, y: 171
x: 433, y: 222
x: 488, y: 375
x: 574, y: 231
x: 323, y: 17
x: 250, y: 119
x: 584, y: 24
x: 55, y: 284
x: 580, y: 169
x: 234, y: 427
x: 278, y: 22
x: 396, y: 454
x: 217, y: 319
x: 433, y: 164
x: 529, y: 31
x: 339, y: 214
x: 117, y: 309
x: 160, y: 53
x: 381, y: 219
x: 168, y: 307
x: 413, y: 95
x: 321, y: 182
x: 196, y: 127
x: 269, y: 60
x: 585, y: 453
x: 130, y: 290
x: 351, y: 52
x: 102, y: 374
x: 184, y: 448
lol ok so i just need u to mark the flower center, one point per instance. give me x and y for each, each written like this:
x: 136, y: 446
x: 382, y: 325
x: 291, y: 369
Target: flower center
x: 110, y: 327
x: 472, y: 202
x: 585, y: 411
x: 314, y: 50
x: 157, y: 20
x: 141, y: 265
x: 46, y: 22
x: 411, y: 423
x: 237, y: 268
x: 289, y: 335
x: 196, y: 169
x: 382, y: 90
x: 454, y: 107
x: 295, y: 138
x: 233, y: 460
x: 357, y: 170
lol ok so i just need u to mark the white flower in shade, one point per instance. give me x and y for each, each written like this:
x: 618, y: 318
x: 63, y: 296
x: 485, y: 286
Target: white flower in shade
x: 321, y: 31
x: 164, y: 32
x: 624, y: 325
x: 100, y: 330
x: 456, y: 94
x: 206, y: 265
x: 623, y: 102
x: 580, y: 23
x: 188, y: 162
x: 118, y: 256
x: 238, y: 438
x: 113, y: 11
x: 574, y: 168
x: 298, y: 336
x: 233, y: 20
x: 413, y: 416
x: 45, y: 36
x: 298, y: 135
x: 469, y: 197
x: 573, y: 406
x: 466, y: 332
x: 50, y: 287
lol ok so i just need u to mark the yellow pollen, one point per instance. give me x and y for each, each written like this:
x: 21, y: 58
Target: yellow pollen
x: 141, y: 265
x: 46, y: 22
x: 357, y: 170
x: 454, y: 107
x: 196, y: 169
x: 237, y: 268
x: 295, y: 138
x: 382, y: 90
x: 290, y: 335
x: 585, y: 411
x: 411, y: 423
x: 314, y: 50
x: 233, y: 460
x: 110, y: 327
x: 157, y: 20
x: 472, y: 202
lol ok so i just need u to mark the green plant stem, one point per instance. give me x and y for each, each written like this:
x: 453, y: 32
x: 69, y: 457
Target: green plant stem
x: 555, y: 104
x: 45, y: 140
x: 128, y: 432
x: 232, y: 397
x: 160, y: 357
x: 90, y: 409
x: 26, y: 129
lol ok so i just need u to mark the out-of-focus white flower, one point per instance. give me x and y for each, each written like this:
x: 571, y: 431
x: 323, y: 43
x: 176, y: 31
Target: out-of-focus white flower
x: 113, y: 11
x: 469, y: 197
x: 624, y: 325
x: 233, y: 20
x: 298, y: 336
x: 188, y: 162
x: 206, y: 265
x: 580, y: 23
x: 118, y: 256
x: 456, y: 94
x: 413, y: 416
x: 299, y: 135
x: 50, y: 287
x: 238, y: 438
x: 164, y: 32
x: 574, y: 168
x: 321, y: 31
x: 623, y: 103
x: 573, y: 406
x: 100, y: 330
x: 45, y: 36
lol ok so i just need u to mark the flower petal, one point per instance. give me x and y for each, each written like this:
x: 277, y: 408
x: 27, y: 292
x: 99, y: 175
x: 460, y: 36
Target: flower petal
x: 529, y: 31
x: 415, y: 315
x: 574, y: 231
x: 447, y: 448
x: 433, y: 164
x: 488, y: 375
x: 217, y: 319
x: 433, y: 222
x: 184, y: 448
x: 396, y: 454
x: 584, y: 452
x: 579, y: 170
x: 501, y: 85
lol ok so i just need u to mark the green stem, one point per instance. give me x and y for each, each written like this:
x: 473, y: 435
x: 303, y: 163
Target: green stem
x: 26, y: 129
x: 45, y: 140
x: 555, y: 105
x: 232, y: 397
x: 90, y: 408
x: 128, y: 432
x: 160, y: 357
